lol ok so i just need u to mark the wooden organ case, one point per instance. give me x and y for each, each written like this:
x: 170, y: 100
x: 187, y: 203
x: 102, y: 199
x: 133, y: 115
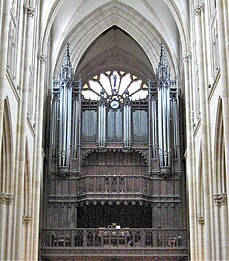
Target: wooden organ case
x: 114, y: 176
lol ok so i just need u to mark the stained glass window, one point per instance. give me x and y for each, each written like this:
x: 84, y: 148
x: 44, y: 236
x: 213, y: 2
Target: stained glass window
x: 115, y: 83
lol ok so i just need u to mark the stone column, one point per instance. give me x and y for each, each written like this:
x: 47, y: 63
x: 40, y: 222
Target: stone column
x: 3, y: 215
x: 221, y: 202
x: 29, y: 22
x: 189, y: 156
x: 224, y: 80
x: 27, y: 241
x: 5, y: 225
x: 199, y: 12
x: 222, y: 19
x: 38, y: 157
x: 3, y: 59
x: 217, y: 232
x: 9, y: 226
x: 200, y: 231
x: 224, y: 226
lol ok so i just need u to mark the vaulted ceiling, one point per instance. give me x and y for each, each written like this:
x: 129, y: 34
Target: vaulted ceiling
x: 126, y: 34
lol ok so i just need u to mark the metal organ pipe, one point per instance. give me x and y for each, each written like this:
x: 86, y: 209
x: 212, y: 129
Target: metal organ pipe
x: 164, y: 111
x: 127, y: 121
x: 76, y: 114
x: 75, y: 127
x: 154, y: 127
x: 65, y: 124
x: 164, y: 125
x: 99, y: 127
x: 129, y: 125
x: 175, y: 119
x: 54, y: 119
x: 102, y: 122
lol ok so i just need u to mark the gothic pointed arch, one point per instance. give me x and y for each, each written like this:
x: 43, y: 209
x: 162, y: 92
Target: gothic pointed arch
x: 6, y: 177
x: 176, y: 9
x: 219, y: 149
x: 115, y: 14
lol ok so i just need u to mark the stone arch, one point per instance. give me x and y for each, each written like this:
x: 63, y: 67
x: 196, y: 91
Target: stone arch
x: 6, y: 163
x: 114, y: 13
x: 219, y: 152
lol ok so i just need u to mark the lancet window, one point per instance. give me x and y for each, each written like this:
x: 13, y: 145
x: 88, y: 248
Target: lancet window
x: 12, y: 40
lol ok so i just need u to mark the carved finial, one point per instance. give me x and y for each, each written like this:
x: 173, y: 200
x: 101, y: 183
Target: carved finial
x: 66, y: 73
x: 162, y: 69
x: 67, y: 60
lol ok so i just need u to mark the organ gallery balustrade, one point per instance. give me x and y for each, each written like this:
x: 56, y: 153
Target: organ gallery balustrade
x: 123, y: 237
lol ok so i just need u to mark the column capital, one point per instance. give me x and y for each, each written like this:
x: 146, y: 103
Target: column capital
x: 6, y: 198
x: 42, y: 57
x: 186, y: 57
x: 3, y: 199
x: 201, y: 220
x: 26, y: 219
x: 220, y: 199
x: 10, y: 199
x: 29, y: 10
x: 198, y: 9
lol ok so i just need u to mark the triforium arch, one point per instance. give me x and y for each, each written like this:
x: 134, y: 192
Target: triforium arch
x: 114, y: 167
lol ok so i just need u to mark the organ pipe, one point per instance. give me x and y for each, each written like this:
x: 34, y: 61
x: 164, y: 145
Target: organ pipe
x: 54, y: 118
x: 127, y: 121
x: 102, y: 122
x: 175, y: 120
x: 154, y: 127
x: 164, y: 125
x: 76, y: 114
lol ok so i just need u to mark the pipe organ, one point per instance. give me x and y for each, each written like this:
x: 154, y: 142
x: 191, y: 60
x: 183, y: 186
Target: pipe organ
x: 115, y: 117
x: 114, y: 158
